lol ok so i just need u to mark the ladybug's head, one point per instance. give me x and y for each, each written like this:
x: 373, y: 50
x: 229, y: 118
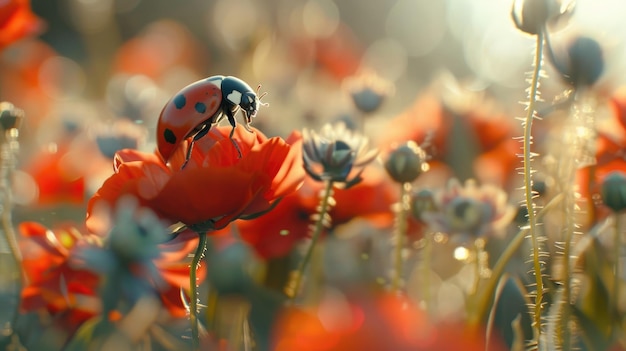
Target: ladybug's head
x: 249, y: 105
x: 241, y: 96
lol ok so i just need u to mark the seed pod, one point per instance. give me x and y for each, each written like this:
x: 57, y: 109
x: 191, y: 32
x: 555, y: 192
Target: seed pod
x: 613, y: 191
x: 581, y: 63
x: 406, y: 163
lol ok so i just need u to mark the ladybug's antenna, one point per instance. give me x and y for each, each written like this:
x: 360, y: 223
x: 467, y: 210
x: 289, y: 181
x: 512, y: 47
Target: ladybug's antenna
x: 261, y: 96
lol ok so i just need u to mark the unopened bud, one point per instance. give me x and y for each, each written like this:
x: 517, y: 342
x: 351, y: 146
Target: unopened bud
x: 613, y: 191
x: 406, y: 163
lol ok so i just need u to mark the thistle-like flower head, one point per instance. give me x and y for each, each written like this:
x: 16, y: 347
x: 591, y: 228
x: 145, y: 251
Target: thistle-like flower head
x: 470, y: 210
x: 336, y: 154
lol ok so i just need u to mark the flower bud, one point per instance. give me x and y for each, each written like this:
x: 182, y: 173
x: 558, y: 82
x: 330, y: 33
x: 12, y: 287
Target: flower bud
x: 531, y: 16
x: 613, y: 191
x: 422, y: 201
x: 467, y: 215
x: 521, y: 216
x: 368, y: 91
x: 406, y: 163
x: 581, y: 63
x: 10, y: 116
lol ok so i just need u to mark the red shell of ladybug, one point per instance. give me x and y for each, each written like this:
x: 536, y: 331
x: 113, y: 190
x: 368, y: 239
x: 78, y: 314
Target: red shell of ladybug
x: 193, y: 107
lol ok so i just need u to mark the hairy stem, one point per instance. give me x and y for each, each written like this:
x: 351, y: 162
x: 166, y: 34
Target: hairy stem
x: 479, y: 264
x: 11, y: 273
x: 294, y: 288
x: 8, y: 151
x: 570, y: 227
x: 485, y: 297
x: 528, y: 187
x: 193, y: 286
x: 401, y: 228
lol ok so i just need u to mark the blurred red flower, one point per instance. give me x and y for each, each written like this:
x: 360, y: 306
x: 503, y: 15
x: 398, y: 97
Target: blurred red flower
x: 215, y: 188
x: 59, y: 282
x: 371, y: 199
x: 58, y: 174
x: 23, y: 83
x: 276, y: 233
x: 465, y: 132
x: 162, y: 46
x: 610, y: 155
x: 337, y: 55
x: 17, y: 21
x: 386, y: 322
x: 53, y: 283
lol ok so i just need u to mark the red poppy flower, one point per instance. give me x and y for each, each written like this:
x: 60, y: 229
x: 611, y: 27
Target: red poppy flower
x: 214, y: 188
x: 17, y: 21
x: 274, y: 234
x: 374, y: 324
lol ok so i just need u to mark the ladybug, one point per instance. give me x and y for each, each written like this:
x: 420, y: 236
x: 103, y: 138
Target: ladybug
x: 197, y: 107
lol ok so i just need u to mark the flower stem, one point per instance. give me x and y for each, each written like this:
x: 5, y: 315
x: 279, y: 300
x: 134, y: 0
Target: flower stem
x: 317, y: 230
x: 193, y: 286
x: 528, y: 186
x: 479, y: 312
x: 401, y: 228
x: 11, y: 273
x: 8, y: 151
x: 479, y: 251
x: 564, y: 334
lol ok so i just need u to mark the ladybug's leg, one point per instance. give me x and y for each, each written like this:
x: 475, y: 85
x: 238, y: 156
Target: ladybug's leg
x: 231, y: 119
x: 202, y: 132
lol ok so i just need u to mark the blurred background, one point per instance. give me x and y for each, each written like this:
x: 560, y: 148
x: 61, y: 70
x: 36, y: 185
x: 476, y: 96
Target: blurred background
x: 103, y: 68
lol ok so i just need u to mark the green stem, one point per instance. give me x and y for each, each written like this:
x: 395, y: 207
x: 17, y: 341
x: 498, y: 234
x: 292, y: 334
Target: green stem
x: 401, y: 228
x: 479, y: 246
x: 317, y: 231
x: 193, y: 286
x: 528, y: 189
x: 8, y: 151
x: 12, y: 273
x: 484, y: 299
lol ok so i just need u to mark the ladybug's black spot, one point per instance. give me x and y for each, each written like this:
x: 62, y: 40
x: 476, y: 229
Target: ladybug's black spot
x: 169, y: 136
x: 180, y: 101
x: 200, y: 107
